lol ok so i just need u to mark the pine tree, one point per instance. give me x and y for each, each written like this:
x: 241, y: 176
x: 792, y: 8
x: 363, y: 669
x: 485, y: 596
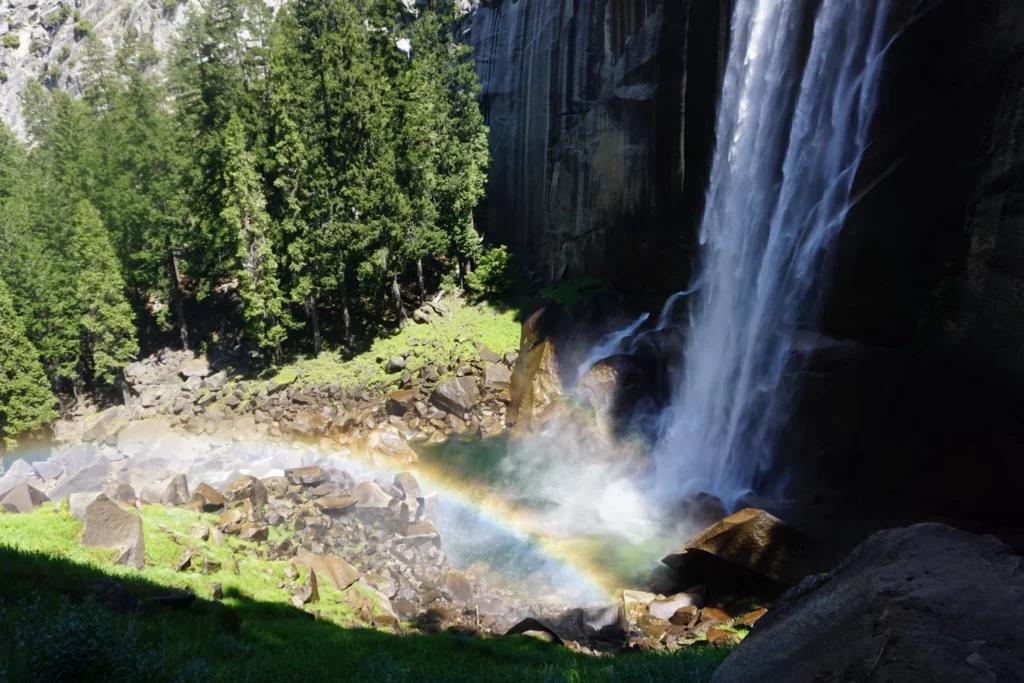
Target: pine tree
x: 107, y: 320
x: 245, y: 210
x: 26, y: 402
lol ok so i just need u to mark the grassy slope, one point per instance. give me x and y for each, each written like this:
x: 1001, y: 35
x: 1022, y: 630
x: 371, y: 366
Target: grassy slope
x: 430, y: 343
x: 50, y: 629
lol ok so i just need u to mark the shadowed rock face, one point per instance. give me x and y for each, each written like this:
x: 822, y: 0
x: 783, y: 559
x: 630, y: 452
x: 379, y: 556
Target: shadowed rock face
x: 593, y: 156
x: 923, y: 603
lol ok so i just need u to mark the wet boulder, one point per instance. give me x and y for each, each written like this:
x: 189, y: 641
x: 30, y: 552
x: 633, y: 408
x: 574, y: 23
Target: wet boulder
x: 457, y: 395
x: 388, y: 448
x: 746, y: 546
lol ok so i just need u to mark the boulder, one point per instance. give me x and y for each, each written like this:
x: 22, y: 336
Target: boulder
x: 176, y: 492
x: 395, y: 364
x: 206, y: 499
x: 486, y: 355
x: 369, y: 495
x: 614, y: 386
x: 388, y: 448
x: 407, y: 484
x: 496, y: 377
x: 306, y: 476
x: 665, y: 608
x: 751, y: 540
x: 108, y: 526
x: 48, y: 470
x: 248, y: 488
x: 457, y: 395
x: 20, y: 472
x: 336, y: 570
x: 78, y: 502
x: 216, y: 382
x: 536, y: 380
x: 400, y: 402
x: 335, y: 505
x: 198, y: 367
x: 922, y: 603
x: 90, y: 478
x: 536, y: 628
x: 23, y: 498
x: 142, y: 436
x: 120, y: 492
x: 421, y: 316
x: 280, y: 383
x: 98, y: 426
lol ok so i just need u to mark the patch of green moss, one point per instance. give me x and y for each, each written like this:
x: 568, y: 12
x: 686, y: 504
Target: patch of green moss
x: 570, y: 292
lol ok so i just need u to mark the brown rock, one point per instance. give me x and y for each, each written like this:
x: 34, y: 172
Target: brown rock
x: 335, y: 505
x: 336, y: 570
x: 251, y: 531
x: 206, y: 499
x: 387, y: 447
x: 457, y: 395
x: 306, y: 476
x: 714, y: 615
x: 719, y: 637
x: 751, y: 540
x: 459, y: 585
x: 108, y: 526
x: 536, y: 381
x: 750, y: 618
x: 23, y: 498
x: 248, y: 489
x: 400, y: 402
x: 686, y: 616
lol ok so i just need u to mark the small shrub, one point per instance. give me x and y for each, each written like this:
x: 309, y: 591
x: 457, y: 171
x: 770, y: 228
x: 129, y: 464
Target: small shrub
x: 3, y: 79
x: 65, y: 52
x: 495, y: 273
x: 82, y: 29
x: 36, y: 47
x: 170, y: 6
x: 65, y: 12
x: 12, y: 41
x: 76, y: 16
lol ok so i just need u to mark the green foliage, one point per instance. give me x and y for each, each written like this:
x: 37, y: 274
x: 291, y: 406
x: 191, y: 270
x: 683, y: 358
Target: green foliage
x: 11, y: 41
x: 26, y: 402
x: 37, y: 47
x: 170, y: 6
x: 55, y: 630
x: 570, y: 292
x: 495, y: 274
x: 82, y: 29
x: 108, y: 323
x: 65, y: 51
x: 3, y: 76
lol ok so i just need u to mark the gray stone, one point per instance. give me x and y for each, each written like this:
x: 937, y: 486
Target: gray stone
x: 20, y: 472
x: 98, y: 426
x: 90, y: 478
x: 108, y: 526
x: 176, y: 492
x: 78, y: 502
x: 216, y: 381
x: 666, y: 607
x: 48, y: 469
x: 120, y: 492
x: 23, y: 498
x: 396, y: 363
x: 370, y: 495
x: 407, y: 484
x: 198, y: 367
x: 457, y: 395
x: 496, y: 377
x: 388, y: 448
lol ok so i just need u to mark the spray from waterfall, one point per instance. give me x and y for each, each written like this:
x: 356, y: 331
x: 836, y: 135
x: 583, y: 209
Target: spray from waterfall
x: 792, y: 129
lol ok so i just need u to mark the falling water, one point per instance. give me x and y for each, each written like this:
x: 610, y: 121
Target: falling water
x: 792, y: 128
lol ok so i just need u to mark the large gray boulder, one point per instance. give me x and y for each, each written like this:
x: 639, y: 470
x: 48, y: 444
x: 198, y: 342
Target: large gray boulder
x: 92, y: 477
x: 108, y: 526
x: 20, y: 472
x: 23, y: 498
x: 456, y: 395
x: 923, y: 603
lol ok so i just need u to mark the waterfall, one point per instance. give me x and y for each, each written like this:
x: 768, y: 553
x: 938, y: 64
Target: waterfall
x: 792, y: 128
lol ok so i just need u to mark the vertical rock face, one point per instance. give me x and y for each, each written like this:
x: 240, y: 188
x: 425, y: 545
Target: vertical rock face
x: 601, y: 113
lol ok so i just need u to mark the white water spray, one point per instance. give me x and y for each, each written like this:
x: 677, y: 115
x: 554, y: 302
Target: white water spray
x: 792, y: 129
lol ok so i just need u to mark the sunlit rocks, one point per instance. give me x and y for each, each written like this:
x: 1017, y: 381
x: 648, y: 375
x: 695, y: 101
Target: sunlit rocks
x: 665, y: 608
x: 369, y: 495
x: 108, y: 526
x: 387, y: 447
x: 206, y: 499
x: 400, y: 402
x: 336, y: 570
x: 176, y: 492
x: 751, y: 540
x: 250, y: 489
x: 496, y: 377
x: 198, y: 367
x: 89, y: 478
x: 457, y: 395
x: 23, y: 498
x: 306, y: 476
x: 19, y: 472
x: 408, y: 485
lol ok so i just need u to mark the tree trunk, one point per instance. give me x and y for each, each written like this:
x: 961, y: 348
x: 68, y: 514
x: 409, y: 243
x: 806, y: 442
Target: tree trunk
x: 314, y: 322
x: 462, y: 282
x: 396, y: 295
x: 346, y: 319
x: 177, y: 300
x: 419, y: 281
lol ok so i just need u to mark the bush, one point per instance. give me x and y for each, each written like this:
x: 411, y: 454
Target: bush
x: 3, y: 76
x: 170, y: 6
x: 65, y: 52
x: 12, y: 41
x: 82, y: 29
x: 495, y: 274
x: 36, y: 47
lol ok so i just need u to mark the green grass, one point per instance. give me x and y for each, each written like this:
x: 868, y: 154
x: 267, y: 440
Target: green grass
x: 435, y: 344
x: 52, y: 628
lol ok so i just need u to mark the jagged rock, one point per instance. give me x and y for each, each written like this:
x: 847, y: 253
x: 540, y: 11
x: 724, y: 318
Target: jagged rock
x: 395, y: 364
x: 608, y: 621
x: 108, y: 526
x: 141, y: 436
x: 460, y: 587
x: 195, y: 367
x: 496, y: 377
x: 98, y: 426
x: 216, y: 382
x: 750, y: 618
x: 336, y: 570
x: 407, y: 484
x: 486, y: 355
x: 751, y: 540
x: 184, y: 562
x: 457, y: 395
x: 90, y: 478
x: 911, y: 604
x: 248, y: 488
x: 200, y: 531
x: 335, y: 505
x: 369, y: 495
x: 491, y: 427
x: 20, y: 472
x: 280, y: 383
x: 536, y: 381
x: 120, y: 492
x: 388, y: 448
x: 255, y: 532
x: 306, y: 476
x: 23, y: 498
x: 176, y: 492
x: 429, y: 374
x: 206, y: 499
x: 509, y: 359
x: 48, y: 470
x: 400, y: 402
x: 686, y: 616
x: 535, y: 628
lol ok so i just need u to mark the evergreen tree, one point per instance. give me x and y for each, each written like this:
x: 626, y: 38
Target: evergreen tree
x: 245, y: 210
x: 107, y: 321
x: 26, y: 402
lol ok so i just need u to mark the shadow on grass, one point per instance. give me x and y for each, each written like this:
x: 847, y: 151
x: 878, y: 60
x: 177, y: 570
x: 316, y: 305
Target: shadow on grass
x: 61, y: 620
